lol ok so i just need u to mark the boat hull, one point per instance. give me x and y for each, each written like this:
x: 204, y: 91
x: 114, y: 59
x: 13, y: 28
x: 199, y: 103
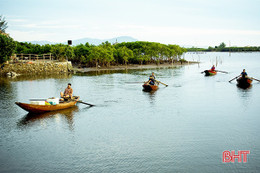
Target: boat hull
x: 244, y: 82
x: 148, y: 87
x: 37, y: 109
x: 210, y: 73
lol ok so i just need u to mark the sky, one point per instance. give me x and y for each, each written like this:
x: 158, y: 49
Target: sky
x: 198, y: 23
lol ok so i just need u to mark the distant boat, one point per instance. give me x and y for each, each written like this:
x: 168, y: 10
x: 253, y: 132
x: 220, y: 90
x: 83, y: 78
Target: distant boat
x: 37, y: 109
x: 244, y: 82
x: 210, y: 73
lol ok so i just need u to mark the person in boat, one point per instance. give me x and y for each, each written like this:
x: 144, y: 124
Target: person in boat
x: 153, y: 75
x: 67, y: 93
x: 243, y: 74
x: 212, y: 68
x: 151, y: 80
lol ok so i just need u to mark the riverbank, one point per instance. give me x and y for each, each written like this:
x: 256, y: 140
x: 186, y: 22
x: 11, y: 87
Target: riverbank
x: 131, y: 67
x: 52, y: 67
x: 35, y: 67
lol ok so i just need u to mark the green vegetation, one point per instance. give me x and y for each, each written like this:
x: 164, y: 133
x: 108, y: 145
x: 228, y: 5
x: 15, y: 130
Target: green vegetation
x: 3, y: 24
x: 222, y: 48
x: 106, y: 54
x: 7, y: 44
x: 7, y: 47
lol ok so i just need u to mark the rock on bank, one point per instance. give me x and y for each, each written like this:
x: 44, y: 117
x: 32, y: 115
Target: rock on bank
x: 36, y: 68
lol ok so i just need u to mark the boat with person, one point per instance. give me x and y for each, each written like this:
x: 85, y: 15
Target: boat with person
x: 152, y: 84
x: 244, y: 82
x: 35, y: 108
x: 210, y: 72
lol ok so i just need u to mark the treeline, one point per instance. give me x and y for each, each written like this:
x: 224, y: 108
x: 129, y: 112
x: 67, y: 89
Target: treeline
x: 106, y: 54
x: 222, y: 48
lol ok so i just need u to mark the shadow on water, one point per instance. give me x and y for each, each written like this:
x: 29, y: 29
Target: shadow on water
x: 36, y: 119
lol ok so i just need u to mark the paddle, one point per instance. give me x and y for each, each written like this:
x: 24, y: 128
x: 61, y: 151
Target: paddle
x: 255, y: 79
x: 162, y: 83
x: 221, y: 71
x: 234, y: 78
x: 85, y: 103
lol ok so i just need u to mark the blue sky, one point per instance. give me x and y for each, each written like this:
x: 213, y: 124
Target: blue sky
x: 183, y: 22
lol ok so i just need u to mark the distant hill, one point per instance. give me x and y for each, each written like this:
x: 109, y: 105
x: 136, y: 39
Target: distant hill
x: 43, y: 42
x: 91, y: 41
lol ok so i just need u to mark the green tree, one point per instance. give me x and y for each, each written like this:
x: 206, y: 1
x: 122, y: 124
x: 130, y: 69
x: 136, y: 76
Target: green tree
x: 221, y: 46
x: 95, y: 55
x: 7, y: 47
x: 172, y: 53
x: 81, y: 50
x: 107, y: 53
x: 58, y: 51
x: 123, y: 54
x: 3, y: 24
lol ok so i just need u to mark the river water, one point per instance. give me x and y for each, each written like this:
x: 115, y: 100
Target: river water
x: 184, y: 127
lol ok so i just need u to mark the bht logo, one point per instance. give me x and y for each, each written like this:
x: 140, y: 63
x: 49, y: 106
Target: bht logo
x: 230, y: 157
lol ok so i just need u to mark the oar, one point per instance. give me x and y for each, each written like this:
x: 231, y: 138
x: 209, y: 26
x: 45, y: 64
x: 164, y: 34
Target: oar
x: 255, y: 79
x: 162, y: 83
x: 133, y: 82
x: 85, y: 103
x: 233, y: 78
x: 221, y: 71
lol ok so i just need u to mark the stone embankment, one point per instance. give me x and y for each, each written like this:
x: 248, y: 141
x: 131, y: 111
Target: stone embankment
x: 29, y: 68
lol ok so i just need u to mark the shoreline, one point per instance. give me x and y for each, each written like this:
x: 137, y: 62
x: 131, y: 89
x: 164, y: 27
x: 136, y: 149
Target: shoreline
x: 132, y: 67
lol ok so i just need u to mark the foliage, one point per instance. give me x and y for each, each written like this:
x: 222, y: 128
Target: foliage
x: 222, y: 48
x: 3, y: 24
x: 62, y: 52
x: 7, y: 47
x: 105, y: 54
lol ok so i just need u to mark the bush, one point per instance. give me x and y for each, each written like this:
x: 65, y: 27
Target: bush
x: 7, y: 48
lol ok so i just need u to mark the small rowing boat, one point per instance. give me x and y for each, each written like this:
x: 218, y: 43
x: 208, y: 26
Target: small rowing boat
x: 244, y: 82
x: 210, y: 73
x: 149, y: 87
x: 37, y: 109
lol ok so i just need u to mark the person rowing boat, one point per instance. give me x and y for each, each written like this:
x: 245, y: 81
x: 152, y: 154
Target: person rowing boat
x: 243, y: 74
x: 151, y: 80
x: 212, y: 68
x: 67, y: 93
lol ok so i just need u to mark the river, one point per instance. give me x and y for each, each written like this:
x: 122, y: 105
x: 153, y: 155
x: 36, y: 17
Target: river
x: 184, y: 127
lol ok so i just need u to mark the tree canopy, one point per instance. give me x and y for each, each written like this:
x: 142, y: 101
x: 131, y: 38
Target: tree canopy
x: 105, y: 54
x: 3, y: 24
x: 7, y: 47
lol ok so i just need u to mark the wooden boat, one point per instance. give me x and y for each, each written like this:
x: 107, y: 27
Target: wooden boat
x: 149, y: 87
x: 37, y: 109
x: 244, y: 82
x: 210, y: 73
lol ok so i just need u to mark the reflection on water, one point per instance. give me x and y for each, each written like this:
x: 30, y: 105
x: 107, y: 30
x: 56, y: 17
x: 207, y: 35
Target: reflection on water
x: 151, y: 95
x: 30, y: 120
x: 6, y: 89
x: 38, y: 77
x: 245, y: 96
